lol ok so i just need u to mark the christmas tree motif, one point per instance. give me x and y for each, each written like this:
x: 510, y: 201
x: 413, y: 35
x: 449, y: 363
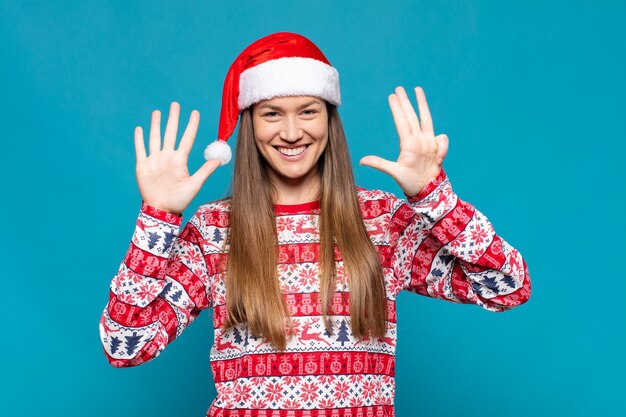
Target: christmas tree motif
x: 430, y: 219
x: 153, y: 238
x: 177, y: 295
x: 237, y: 336
x: 169, y: 239
x: 437, y: 272
x: 343, y: 333
x: 491, y: 283
x: 166, y: 289
x: 132, y: 342
x: 245, y: 340
x: 476, y: 286
x: 446, y: 258
x: 326, y: 332
x: 115, y: 343
x: 217, y: 236
x: 508, y: 280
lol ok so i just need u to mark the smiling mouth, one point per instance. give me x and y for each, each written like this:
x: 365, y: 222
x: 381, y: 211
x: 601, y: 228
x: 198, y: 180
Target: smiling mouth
x: 291, y: 151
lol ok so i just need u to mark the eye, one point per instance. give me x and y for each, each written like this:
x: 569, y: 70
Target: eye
x: 270, y: 114
x: 310, y: 112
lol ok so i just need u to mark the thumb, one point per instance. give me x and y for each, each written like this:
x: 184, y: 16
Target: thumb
x: 205, y: 171
x: 442, y: 147
x: 379, y: 163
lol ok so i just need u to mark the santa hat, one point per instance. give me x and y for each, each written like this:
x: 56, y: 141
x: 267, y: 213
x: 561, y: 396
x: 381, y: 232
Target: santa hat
x: 280, y: 64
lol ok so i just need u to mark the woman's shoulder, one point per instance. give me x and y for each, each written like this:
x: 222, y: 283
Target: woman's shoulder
x: 365, y: 194
x: 221, y: 205
x: 377, y: 201
x: 212, y: 214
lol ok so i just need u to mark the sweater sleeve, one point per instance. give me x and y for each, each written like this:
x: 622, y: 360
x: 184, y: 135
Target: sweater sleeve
x: 445, y: 248
x: 160, y: 288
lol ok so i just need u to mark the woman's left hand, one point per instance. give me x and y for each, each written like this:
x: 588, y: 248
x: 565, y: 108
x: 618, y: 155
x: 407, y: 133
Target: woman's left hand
x: 421, y: 152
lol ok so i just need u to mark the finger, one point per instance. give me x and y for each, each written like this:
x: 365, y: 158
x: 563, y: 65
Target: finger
x: 205, y: 172
x: 388, y: 167
x: 409, y: 112
x: 190, y: 132
x: 155, y: 132
x: 169, y: 140
x: 140, y: 147
x: 442, y: 148
x: 402, y: 125
x: 422, y: 104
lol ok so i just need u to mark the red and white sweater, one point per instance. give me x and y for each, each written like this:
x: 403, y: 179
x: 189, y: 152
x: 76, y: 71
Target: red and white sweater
x: 432, y: 244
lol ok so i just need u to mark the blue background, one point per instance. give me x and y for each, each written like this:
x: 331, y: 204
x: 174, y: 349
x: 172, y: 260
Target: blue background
x: 530, y: 94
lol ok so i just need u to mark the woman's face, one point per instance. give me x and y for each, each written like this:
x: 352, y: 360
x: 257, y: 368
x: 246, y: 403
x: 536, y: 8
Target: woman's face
x: 291, y: 133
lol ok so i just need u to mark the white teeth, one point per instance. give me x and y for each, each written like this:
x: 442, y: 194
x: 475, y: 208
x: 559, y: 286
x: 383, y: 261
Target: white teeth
x: 292, y: 151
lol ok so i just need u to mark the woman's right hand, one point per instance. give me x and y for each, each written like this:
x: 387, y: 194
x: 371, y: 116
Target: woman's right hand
x: 163, y: 177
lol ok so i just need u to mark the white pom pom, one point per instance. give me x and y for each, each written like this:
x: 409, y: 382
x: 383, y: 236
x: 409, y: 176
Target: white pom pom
x: 218, y: 150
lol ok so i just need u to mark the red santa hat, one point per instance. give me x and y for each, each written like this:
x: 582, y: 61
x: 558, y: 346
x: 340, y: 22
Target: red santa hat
x: 277, y: 65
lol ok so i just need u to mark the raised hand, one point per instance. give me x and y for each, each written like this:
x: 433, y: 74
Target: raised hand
x: 163, y: 177
x: 421, y: 152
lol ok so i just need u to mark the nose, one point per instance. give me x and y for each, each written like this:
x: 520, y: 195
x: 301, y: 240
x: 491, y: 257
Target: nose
x: 291, y: 131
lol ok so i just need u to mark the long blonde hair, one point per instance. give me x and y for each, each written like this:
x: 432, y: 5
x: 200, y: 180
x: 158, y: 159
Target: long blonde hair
x: 253, y: 293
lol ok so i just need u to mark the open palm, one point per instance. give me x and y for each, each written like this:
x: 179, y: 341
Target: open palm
x: 163, y: 177
x: 421, y: 152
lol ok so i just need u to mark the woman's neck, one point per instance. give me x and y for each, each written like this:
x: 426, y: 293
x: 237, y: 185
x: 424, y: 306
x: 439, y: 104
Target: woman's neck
x: 296, y: 191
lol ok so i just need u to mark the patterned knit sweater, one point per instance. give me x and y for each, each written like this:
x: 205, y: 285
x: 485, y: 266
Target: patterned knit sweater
x: 432, y: 244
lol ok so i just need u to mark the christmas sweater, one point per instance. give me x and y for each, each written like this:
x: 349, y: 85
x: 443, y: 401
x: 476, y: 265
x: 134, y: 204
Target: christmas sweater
x: 433, y: 244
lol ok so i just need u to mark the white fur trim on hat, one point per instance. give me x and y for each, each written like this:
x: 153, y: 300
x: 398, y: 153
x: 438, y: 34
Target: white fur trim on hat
x: 289, y: 76
x: 218, y: 149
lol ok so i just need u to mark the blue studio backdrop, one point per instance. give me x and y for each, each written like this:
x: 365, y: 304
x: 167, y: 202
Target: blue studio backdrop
x: 530, y: 94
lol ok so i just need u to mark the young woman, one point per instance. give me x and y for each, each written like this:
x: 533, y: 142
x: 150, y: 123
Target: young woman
x: 301, y: 267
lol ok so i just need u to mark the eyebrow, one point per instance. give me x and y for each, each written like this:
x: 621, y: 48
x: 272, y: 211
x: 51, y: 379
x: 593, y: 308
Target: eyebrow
x: 280, y: 108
